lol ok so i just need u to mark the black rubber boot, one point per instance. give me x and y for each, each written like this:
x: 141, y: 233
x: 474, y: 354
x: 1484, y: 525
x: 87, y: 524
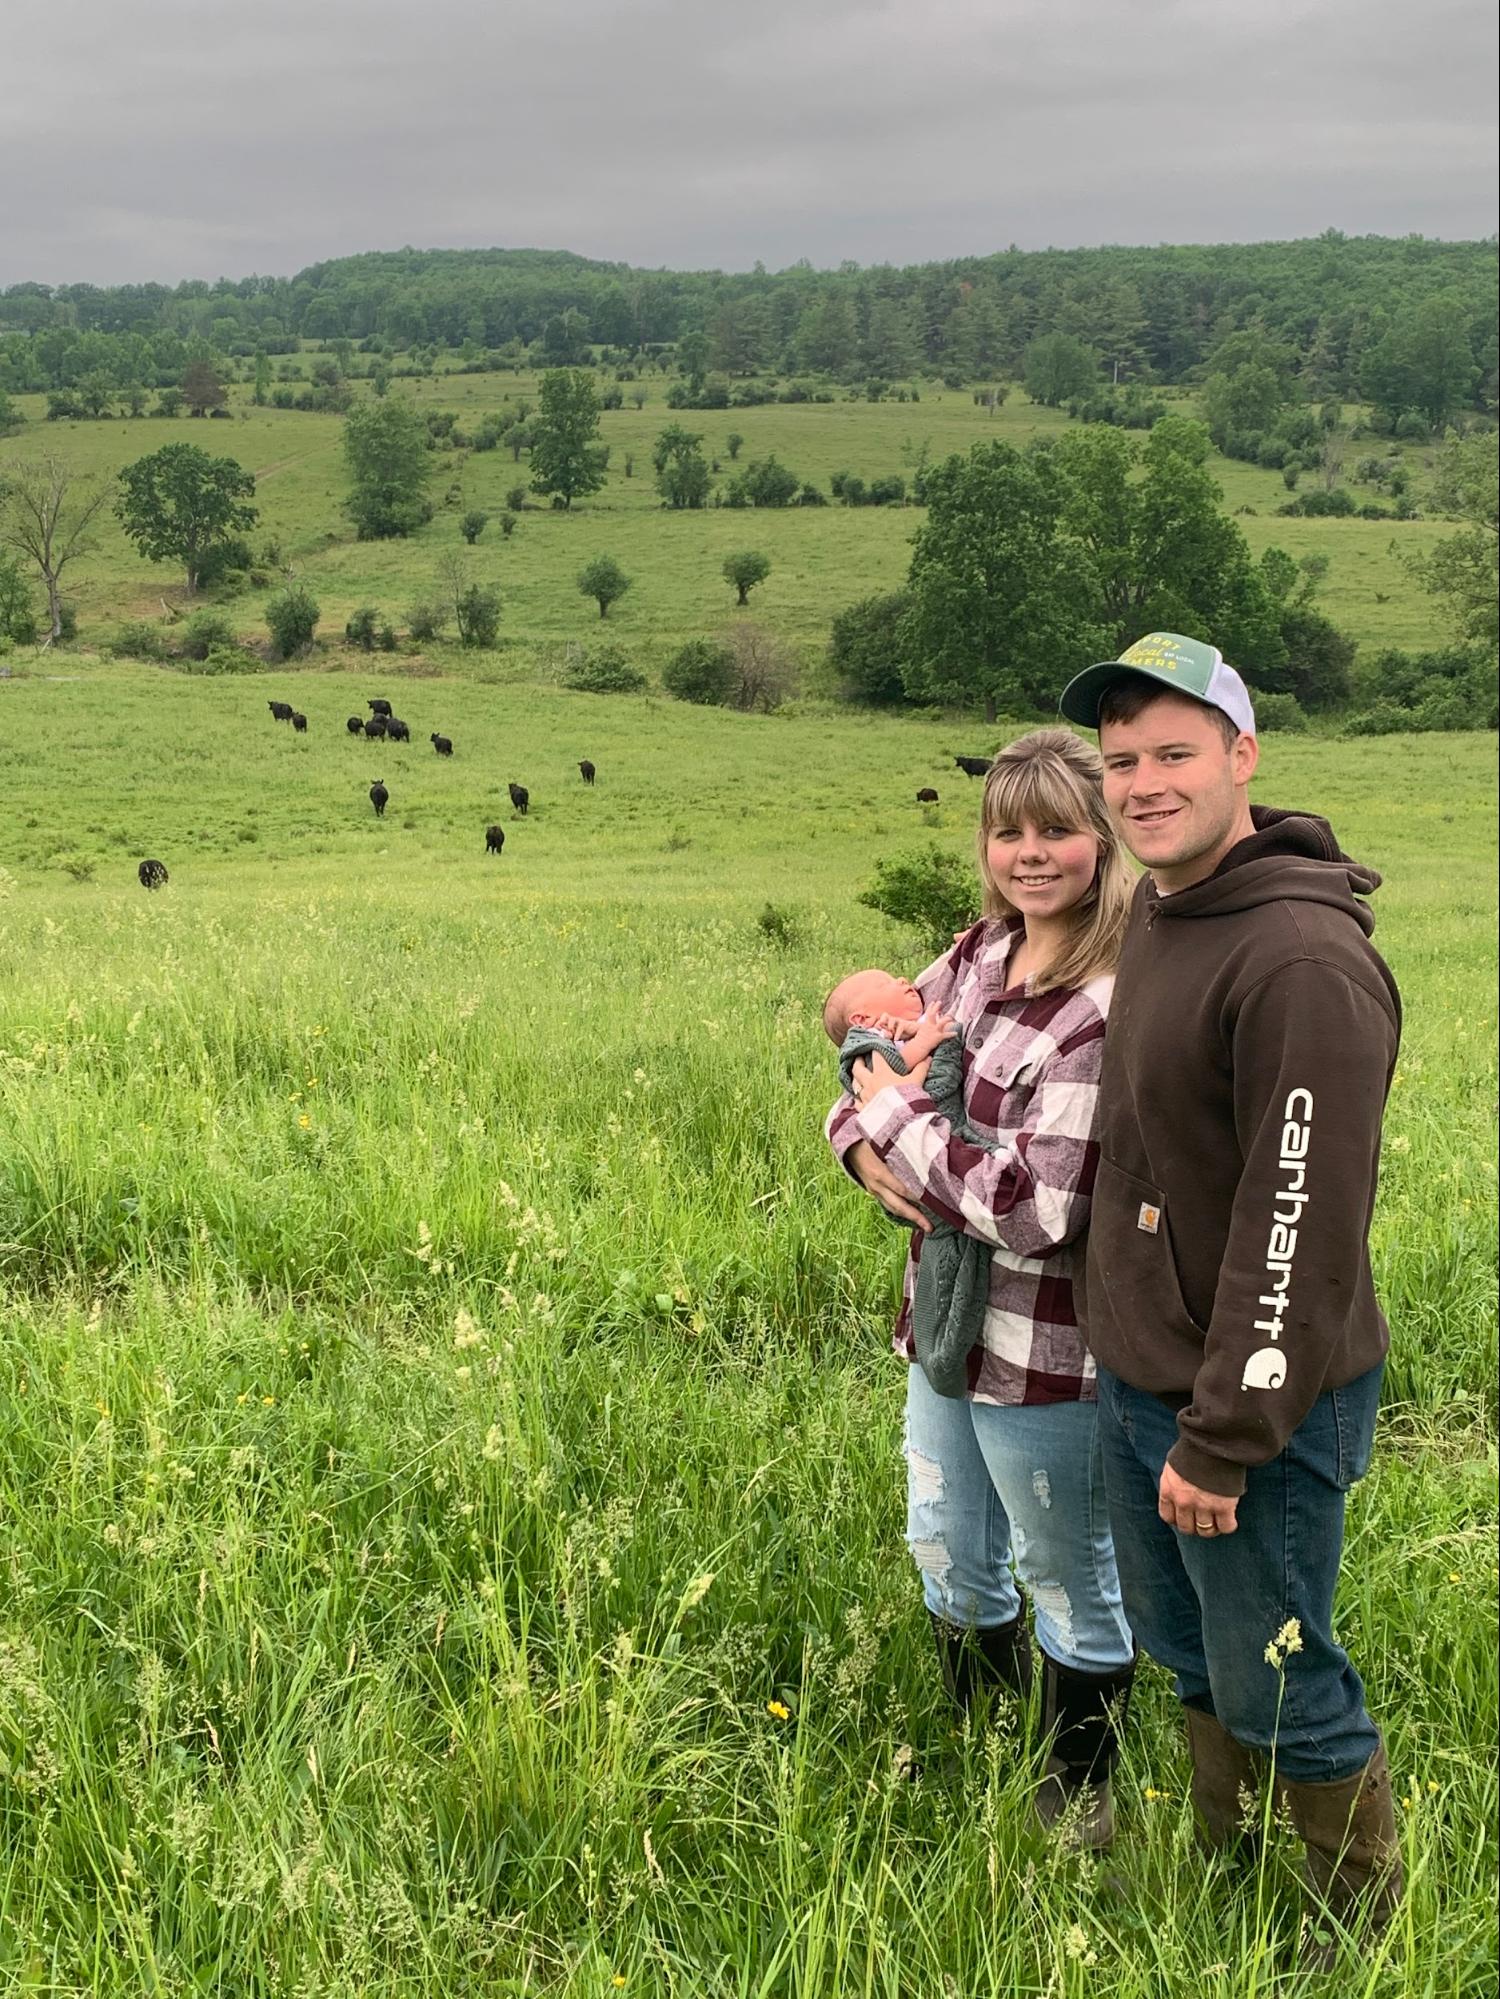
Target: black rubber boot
x: 1084, y: 1714
x: 975, y: 1663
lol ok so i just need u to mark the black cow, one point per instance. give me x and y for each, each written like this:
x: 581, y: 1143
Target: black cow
x: 379, y: 707
x: 281, y: 711
x: 152, y: 874
x: 586, y: 771
x: 376, y: 727
x: 520, y: 797
x: 299, y: 723
x: 442, y: 744
x: 973, y: 766
x: 397, y: 730
x: 355, y: 726
x: 927, y: 796
x: 494, y: 839
x: 378, y: 796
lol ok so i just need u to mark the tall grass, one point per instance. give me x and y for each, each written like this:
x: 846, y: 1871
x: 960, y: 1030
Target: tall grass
x: 452, y: 1510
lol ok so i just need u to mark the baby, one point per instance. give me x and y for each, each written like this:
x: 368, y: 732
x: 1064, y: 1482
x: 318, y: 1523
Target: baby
x: 874, y: 1009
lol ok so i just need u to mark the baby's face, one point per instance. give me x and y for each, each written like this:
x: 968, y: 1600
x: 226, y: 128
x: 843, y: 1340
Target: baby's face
x: 864, y: 996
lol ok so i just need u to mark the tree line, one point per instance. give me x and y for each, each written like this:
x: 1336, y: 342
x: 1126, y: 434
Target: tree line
x: 1143, y: 314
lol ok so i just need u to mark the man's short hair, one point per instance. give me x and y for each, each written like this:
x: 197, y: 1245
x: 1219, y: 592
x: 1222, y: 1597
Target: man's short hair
x: 1128, y: 698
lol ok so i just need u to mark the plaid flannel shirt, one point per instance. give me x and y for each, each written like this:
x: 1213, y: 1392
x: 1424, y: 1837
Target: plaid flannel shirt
x: 1031, y: 1081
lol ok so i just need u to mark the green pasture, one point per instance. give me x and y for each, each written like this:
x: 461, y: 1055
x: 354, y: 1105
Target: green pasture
x: 452, y: 1508
x: 822, y: 558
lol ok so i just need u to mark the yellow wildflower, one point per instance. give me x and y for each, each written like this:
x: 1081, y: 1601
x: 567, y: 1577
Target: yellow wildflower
x: 778, y: 1711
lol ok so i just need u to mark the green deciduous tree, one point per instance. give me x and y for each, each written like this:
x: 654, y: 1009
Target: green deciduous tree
x: 178, y: 504
x: 386, y: 451
x: 1424, y: 361
x: 1059, y: 366
x: 202, y: 390
x: 744, y: 570
x: 682, y: 475
x: 865, y: 648
x: 566, y: 459
x: 1158, y: 552
x: 994, y: 615
x: 1463, y: 571
x: 605, y: 581
x: 473, y: 525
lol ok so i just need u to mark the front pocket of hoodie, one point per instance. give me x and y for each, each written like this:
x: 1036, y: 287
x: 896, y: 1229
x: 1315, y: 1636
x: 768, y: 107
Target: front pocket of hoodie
x: 1130, y: 1253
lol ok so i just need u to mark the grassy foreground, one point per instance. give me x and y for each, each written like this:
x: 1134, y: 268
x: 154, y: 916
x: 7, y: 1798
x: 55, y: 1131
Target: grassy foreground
x: 452, y: 1503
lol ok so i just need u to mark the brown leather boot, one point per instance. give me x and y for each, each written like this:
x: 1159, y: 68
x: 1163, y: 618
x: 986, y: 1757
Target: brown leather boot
x: 1226, y: 1787
x: 1354, y: 1867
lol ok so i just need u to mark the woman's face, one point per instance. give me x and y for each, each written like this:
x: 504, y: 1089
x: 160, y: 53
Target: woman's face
x: 1042, y: 871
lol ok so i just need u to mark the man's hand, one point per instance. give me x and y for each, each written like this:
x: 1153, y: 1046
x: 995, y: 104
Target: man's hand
x: 878, y: 1180
x: 1191, y: 1510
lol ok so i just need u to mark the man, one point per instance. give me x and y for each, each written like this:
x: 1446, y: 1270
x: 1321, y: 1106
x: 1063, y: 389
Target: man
x: 1231, y: 1309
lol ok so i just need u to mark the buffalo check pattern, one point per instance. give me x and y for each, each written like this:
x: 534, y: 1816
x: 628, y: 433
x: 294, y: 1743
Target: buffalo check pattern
x: 1031, y: 1083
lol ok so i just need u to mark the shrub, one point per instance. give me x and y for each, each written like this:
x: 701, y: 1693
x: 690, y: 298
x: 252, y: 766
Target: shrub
x: 933, y: 892
x: 1279, y: 714
x: 476, y: 611
x: 204, y: 631
x: 1412, y: 427
x: 80, y: 866
x: 702, y: 671
x: 139, y: 638
x: 778, y: 926
x: 473, y: 525
x: 222, y: 660
x: 766, y: 669
x: 889, y: 491
x: 18, y: 619
x: 427, y: 621
x: 292, y: 615
x: 223, y: 566
x: 515, y: 499
x: 507, y: 524
x: 362, y: 628
x: 812, y: 496
x: 766, y: 482
x: 605, y: 670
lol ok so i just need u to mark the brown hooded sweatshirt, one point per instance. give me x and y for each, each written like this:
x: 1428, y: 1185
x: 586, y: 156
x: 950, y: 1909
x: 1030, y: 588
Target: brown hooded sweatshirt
x: 1252, y: 1037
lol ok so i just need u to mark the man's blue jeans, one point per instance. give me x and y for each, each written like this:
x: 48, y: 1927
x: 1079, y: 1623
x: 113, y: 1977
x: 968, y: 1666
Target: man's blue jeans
x: 1208, y: 1608
x: 990, y: 1487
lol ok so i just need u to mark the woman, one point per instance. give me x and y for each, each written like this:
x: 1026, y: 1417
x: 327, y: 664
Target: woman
x: 1007, y: 1476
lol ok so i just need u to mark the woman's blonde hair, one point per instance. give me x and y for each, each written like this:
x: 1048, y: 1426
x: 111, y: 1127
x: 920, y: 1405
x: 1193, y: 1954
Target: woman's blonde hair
x: 1054, y: 778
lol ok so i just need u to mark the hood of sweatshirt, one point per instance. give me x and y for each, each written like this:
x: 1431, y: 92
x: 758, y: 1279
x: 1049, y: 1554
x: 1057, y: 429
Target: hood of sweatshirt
x: 1290, y: 857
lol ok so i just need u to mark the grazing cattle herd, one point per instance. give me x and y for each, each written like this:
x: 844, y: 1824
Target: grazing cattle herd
x: 385, y: 726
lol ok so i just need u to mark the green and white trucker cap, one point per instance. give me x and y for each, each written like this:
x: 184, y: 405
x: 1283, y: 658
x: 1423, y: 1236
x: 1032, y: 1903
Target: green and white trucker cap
x: 1187, y: 666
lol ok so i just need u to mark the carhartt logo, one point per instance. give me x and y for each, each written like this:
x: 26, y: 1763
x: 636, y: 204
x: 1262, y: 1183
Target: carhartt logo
x: 1266, y: 1367
x: 1149, y: 1219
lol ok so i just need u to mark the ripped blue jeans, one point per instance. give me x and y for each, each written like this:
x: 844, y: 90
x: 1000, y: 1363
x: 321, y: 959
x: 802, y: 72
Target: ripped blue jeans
x: 991, y: 1490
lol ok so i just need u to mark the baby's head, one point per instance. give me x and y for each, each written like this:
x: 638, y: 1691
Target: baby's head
x: 864, y: 996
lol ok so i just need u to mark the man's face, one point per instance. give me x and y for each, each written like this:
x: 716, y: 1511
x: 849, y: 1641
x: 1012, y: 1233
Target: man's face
x: 1175, y: 788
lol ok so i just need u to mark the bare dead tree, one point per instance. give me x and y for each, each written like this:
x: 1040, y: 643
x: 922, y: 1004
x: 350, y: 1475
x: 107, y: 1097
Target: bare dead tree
x: 46, y: 514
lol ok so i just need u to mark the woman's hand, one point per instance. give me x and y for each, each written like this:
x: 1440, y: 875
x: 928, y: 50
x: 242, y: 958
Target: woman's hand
x: 872, y: 1073
x: 878, y: 1180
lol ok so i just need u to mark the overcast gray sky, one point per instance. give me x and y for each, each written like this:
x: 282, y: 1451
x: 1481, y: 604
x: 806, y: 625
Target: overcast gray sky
x: 162, y: 139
